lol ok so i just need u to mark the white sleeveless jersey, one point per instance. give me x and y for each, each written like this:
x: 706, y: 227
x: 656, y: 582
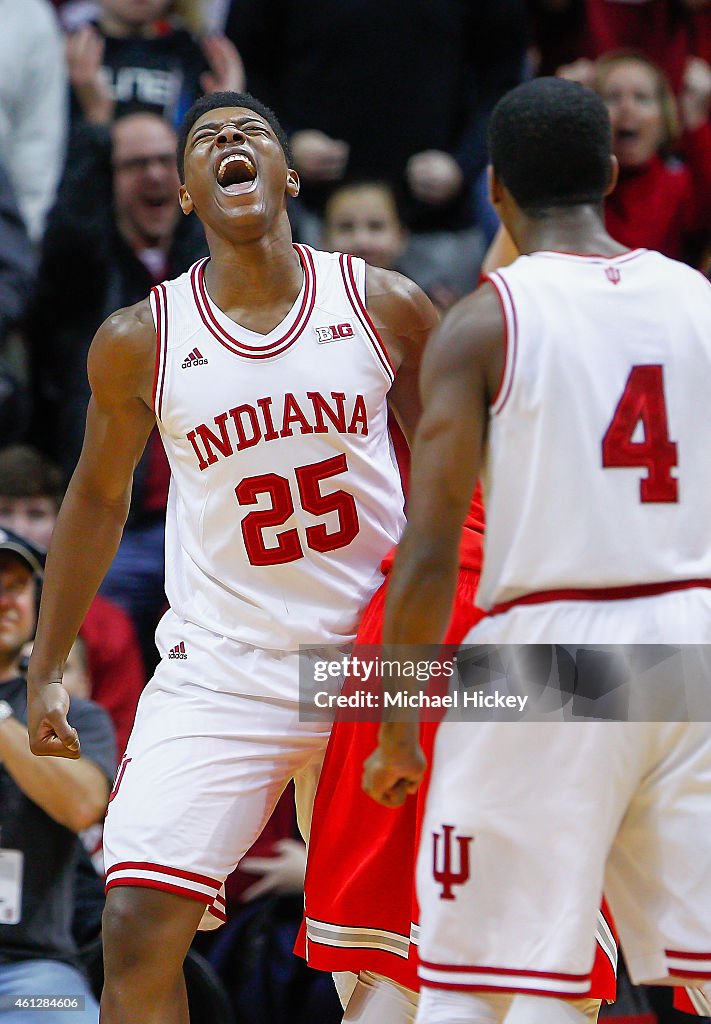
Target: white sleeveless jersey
x: 285, y: 494
x: 598, y: 465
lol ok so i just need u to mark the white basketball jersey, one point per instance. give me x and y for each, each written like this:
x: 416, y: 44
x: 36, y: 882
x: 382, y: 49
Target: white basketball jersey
x: 285, y: 493
x: 598, y: 465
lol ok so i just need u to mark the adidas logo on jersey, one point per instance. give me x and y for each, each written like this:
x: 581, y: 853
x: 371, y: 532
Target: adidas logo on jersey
x: 178, y: 651
x: 195, y: 358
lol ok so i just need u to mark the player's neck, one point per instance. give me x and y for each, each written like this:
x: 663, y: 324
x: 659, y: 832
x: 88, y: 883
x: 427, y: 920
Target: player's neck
x: 254, y: 274
x: 577, y: 229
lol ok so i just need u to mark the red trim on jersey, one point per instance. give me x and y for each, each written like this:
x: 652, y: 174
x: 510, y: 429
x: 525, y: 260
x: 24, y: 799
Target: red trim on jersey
x: 496, y: 397
x: 154, y: 292
x: 219, y: 914
x: 503, y: 971
x: 150, y: 883
x: 601, y: 593
x: 623, y: 257
x: 240, y: 348
x: 362, y: 313
x: 161, y: 300
x: 691, y: 958
x: 554, y: 992
x: 141, y: 865
x: 462, y: 987
x: 514, y: 341
x: 366, y: 314
x: 164, y: 293
x: 687, y: 956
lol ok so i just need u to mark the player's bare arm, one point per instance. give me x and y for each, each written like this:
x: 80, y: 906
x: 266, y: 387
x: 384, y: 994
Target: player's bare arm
x: 461, y: 371
x: 404, y: 318
x: 93, y: 514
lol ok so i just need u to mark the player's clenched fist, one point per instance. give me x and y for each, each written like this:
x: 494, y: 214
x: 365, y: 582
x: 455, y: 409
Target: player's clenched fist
x: 396, y: 766
x: 49, y: 731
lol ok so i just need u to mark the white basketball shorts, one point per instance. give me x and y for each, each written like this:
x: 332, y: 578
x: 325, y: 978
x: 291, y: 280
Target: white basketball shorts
x: 528, y: 822
x: 206, y: 762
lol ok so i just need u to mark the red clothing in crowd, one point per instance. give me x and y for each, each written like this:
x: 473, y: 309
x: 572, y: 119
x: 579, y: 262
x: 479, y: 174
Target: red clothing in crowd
x: 661, y: 29
x: 115, y: 664
x: 664, y: 30
x: 661, y: 205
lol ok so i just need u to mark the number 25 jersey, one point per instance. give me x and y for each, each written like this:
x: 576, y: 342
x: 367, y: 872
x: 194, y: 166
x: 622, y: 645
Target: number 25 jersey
x: 598, y: 464
x: 285, y: 494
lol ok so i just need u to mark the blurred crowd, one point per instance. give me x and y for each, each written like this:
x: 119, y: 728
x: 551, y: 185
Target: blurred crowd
x: 386, y: 105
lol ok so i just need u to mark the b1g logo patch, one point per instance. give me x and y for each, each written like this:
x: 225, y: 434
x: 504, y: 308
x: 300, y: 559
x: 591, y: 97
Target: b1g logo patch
x: 334, y: 333
x: 444, y: 869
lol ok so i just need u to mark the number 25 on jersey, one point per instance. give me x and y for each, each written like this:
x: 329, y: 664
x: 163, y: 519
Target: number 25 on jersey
x: 308, y: 480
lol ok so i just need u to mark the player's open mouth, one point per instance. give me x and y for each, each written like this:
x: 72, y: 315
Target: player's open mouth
x: 236, y: 174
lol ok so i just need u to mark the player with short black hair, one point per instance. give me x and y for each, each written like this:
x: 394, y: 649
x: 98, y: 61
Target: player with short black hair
x: 550, y: 144
x: 214, y: 101
x: 269, y: 374
x: 575, y: 384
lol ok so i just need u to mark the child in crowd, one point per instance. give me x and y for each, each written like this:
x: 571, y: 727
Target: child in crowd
x: 362, y: 217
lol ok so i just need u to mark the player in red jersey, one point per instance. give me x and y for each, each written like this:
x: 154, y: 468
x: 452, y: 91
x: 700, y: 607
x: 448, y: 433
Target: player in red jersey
x: 361, y: 912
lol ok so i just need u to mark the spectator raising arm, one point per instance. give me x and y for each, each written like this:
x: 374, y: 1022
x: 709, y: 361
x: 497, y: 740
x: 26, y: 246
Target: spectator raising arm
x: 73, y: 793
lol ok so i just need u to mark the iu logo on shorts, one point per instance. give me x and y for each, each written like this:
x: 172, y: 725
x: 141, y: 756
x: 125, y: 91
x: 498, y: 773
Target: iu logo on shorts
x: 444, y: 869
x: 120, y: 771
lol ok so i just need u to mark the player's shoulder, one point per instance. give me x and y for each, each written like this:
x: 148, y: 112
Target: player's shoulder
x: 472, y: 334
x: 679, y: 278
x: 128, y: 332
x: 395, y: 299
x: 123, y: 350
x: 382, y: 282
x: 477, y: 315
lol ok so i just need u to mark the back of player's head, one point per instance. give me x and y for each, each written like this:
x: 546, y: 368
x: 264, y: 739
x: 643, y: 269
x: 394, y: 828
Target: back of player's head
x: 216, y: 100
x: 550, y: 143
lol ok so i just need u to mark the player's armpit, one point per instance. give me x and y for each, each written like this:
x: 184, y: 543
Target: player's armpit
x: 404, y: 318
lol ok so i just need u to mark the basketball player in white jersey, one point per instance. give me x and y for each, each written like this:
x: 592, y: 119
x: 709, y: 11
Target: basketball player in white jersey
x: 576, y: 381
x: 268, y: 369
